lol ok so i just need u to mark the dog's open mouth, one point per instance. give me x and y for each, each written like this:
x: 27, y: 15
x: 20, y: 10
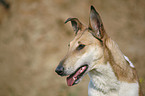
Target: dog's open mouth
x: 75, y: 77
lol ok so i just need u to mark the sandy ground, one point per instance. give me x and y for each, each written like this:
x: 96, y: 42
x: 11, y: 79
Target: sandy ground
x: 34, y: 38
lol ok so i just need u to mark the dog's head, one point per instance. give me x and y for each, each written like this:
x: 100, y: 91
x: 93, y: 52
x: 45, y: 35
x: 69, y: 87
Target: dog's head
x: 85, y: 50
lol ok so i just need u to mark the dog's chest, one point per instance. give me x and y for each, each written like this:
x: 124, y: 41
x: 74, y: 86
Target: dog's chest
x: 104, y: 83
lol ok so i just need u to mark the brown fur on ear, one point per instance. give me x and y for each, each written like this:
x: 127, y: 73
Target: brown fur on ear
x: 76, y: 24
x: 95, y: 23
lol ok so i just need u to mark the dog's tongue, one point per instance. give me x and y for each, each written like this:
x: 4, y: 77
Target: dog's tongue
x: 71, y: 79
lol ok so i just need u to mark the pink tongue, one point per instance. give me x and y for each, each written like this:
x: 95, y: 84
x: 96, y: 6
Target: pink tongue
x: 71, y: 80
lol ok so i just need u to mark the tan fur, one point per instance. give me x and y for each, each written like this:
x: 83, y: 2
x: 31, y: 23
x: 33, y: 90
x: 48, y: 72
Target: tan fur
x: 120, y: 66
x: 112, y: 53
x: 100, y: 51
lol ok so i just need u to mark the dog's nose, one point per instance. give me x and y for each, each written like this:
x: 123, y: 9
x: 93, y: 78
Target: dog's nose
x: 60, y: 70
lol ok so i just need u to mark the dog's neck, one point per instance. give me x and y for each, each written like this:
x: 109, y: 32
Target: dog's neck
x: 103, y: 80
x: 106, y: 78
x: 121, y: 67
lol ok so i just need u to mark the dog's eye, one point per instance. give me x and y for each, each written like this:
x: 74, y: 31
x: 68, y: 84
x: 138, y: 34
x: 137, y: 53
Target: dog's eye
x: 81, y: 46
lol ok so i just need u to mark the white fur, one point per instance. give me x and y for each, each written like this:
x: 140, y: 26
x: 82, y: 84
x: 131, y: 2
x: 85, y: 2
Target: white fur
x: 129, y: 89
x: 131, y: 64
x: 104, y: 83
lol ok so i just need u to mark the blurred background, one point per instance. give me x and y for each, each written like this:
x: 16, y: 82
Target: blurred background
x: 34, y: 38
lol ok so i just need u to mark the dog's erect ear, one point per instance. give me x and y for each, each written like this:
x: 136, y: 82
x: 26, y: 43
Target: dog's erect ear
x: 76, y: 24
x: 95, y: 24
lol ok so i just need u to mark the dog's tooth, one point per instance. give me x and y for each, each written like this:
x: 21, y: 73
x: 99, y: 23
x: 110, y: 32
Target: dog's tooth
x: 73, y: 78
x: 81, y: 70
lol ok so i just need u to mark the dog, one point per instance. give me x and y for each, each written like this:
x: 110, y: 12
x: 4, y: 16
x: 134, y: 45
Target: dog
x: 94, y: 53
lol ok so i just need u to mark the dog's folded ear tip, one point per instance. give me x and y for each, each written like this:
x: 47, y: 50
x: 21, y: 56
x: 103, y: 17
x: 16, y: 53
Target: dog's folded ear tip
x: 72, y: 20
x: 76, y: 24
x: 65, y: 22
x: 68, y: 19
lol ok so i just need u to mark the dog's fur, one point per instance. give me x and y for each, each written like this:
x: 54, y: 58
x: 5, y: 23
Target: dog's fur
x: 110, y: 71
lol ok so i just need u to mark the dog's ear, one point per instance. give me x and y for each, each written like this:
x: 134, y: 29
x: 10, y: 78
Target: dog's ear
x: 76, y: 24
x: 95, y: 24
